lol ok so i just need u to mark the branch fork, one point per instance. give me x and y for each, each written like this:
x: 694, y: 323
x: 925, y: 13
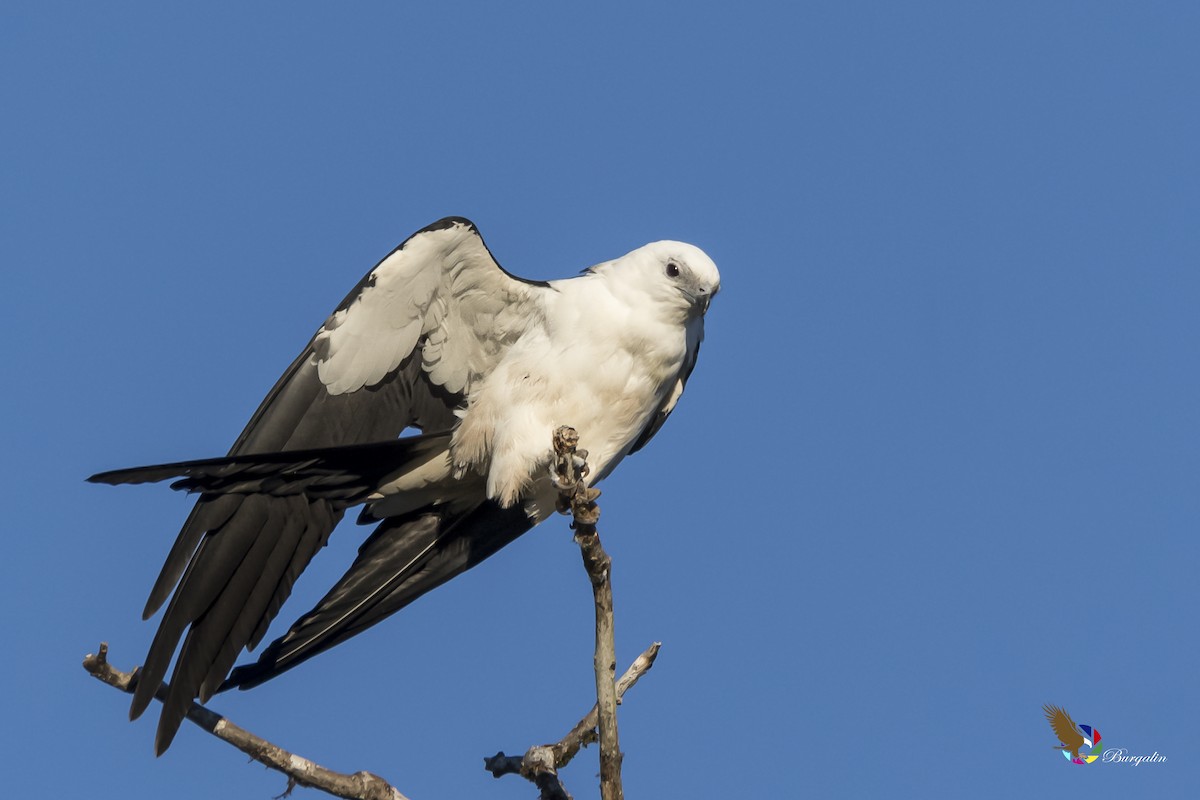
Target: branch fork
x: 541, y: 763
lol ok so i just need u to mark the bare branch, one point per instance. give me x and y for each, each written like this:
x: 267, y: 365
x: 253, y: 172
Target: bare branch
x: 299, y: 771
x: 571, y: 468
x: 542, y: 762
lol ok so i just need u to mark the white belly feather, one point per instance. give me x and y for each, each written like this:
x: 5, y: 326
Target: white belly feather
x: 555, y: 376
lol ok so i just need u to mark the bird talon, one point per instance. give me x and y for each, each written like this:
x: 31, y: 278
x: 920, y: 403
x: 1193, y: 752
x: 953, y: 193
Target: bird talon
x: 579, y: 462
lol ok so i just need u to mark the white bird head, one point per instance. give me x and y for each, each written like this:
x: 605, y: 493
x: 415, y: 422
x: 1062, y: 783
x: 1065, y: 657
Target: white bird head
x: 676, y: 273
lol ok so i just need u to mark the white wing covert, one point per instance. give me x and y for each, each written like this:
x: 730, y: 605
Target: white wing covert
x: 442, y: 291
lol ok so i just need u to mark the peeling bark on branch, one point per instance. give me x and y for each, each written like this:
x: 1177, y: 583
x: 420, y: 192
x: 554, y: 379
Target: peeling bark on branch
x: 299, y: 771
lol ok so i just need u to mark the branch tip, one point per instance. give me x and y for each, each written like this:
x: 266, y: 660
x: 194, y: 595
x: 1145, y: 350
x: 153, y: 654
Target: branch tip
x: 299, y: 770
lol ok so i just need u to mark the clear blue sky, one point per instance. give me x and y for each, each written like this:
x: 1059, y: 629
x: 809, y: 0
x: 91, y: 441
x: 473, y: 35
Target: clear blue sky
x: 937, y: 466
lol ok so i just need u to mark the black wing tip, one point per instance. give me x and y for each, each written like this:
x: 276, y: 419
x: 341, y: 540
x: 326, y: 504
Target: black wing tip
x: 247, y: 676
x: 111, y: 477
x: 136, y: 475
x: 141, y: 700
x: 164, y: 737
x: 447, y: 222
x: 250, y: 675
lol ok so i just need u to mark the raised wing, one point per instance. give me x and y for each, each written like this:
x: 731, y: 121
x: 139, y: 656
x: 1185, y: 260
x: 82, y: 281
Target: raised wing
x: 1064, y: 728
x: 400, y: 351
x: 443, y: 288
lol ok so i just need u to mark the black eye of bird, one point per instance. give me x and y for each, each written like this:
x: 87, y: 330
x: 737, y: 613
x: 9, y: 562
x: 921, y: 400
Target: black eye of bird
x: 672, y: 269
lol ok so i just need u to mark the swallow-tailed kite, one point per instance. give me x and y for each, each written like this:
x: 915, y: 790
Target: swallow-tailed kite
x: 438, y: 338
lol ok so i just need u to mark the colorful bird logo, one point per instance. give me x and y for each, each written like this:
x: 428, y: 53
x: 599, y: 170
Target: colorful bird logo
x: 1080, y: 744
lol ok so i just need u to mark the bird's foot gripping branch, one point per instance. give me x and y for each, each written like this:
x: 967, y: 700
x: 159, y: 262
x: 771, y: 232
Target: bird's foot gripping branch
x: 570, y: 468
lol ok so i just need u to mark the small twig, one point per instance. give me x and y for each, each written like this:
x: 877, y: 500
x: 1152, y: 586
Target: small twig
x: 542, y: 762
x: 299, y: 771
x: 584, y: 732
x: 570, y: 469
